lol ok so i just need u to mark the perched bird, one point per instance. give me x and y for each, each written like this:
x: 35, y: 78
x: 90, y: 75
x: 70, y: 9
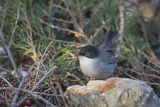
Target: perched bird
x: 99, y: 62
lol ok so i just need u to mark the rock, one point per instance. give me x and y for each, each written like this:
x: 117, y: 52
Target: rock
x: 113, y: 92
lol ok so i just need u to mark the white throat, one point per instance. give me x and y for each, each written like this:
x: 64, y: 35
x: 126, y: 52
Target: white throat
x: 95, y: 68
x: 88, y: 65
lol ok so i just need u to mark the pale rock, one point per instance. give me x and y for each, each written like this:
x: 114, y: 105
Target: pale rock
x: 114, y: 92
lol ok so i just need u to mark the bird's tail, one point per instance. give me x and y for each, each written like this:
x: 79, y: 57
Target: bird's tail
x: 110, y: 38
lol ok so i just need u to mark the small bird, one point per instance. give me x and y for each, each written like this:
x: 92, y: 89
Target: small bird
x: 99, y: 62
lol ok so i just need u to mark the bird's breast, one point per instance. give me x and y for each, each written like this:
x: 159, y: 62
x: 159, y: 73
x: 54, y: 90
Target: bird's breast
x: 95, y: 68
x: 88, y: 66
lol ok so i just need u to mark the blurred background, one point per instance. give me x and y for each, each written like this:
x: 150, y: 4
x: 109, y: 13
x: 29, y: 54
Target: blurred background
x: 37, y: 35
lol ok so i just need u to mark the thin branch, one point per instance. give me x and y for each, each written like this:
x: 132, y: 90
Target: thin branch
x: 44, y: 100
x: 14, y: 29
x: 41, y: 98
x: 122, y: 25
x: 58, y: 28
x: 6, y: 81
x: 4, y: 15
x: 157, y: 64
x: 56, y: 19
x: 49, y: 73
x: 77, y: 25
x: 59, y: 7
x: 79, y: 11
x: 42, y: 58
x: 72, y: 16
x: 62, y: 93
x: 147, y: 66
x: 98, y: 30
x: 6, y: 100
x: 31, y: 93
x: 98, y: 8
x: 150, y: 50
x: 124, y: 70
x: 77, y: 78
x: 9, y: 53
x: 17, y: 92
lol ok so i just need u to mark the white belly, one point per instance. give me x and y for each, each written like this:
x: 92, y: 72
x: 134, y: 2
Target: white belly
x: 95, y: 68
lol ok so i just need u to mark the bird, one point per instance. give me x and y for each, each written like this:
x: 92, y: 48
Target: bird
x: 99, y: 62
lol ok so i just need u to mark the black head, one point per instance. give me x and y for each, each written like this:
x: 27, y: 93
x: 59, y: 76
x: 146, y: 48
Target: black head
x: 89, y: 51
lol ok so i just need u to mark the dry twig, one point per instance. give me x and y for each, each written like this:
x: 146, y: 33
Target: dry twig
x: 17, y: 92
x: 48, y: 74
x: 14, y: 29
x: 9, y: 53
x: 122, y: 26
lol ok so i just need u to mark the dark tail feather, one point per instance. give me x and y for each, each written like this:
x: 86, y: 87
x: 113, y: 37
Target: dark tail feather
x: 110, y: 38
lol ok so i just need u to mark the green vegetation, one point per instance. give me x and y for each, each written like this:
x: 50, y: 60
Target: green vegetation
x: 47, y: 33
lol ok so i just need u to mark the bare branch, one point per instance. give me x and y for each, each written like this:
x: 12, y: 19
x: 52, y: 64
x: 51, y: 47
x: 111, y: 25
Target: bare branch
x: 14, y: 29
x: 9, y: 53
x: 122, y: 25
x: 6, y: 81
x: 98, y: 30
x: 4, y: 15
x: 49, y: 73
x: 15, y: 98
x: 5, y: 99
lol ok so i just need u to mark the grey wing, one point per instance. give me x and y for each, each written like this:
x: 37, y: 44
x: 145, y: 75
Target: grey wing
x: 108, y: 57
x: 107, y: 64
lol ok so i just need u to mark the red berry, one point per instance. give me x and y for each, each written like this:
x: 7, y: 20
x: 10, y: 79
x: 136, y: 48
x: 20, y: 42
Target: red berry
x: 28, y: 102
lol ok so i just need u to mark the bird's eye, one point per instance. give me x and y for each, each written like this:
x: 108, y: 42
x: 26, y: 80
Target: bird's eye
x: 87, y: 54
